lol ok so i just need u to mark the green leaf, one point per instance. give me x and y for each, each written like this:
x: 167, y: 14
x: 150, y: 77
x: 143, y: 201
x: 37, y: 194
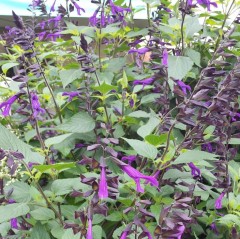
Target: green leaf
x: 21, y: 192
x: 194, y: 55
x: 39, y: 232
x: 156, y: 140
x: 79, y: 123
x: 97, y: 232
x: 42, y: 214
x: 105, y: 88
x: 148, y: 128
x: 7, y: 66
x: 56, y: 139
x: 115, y: 217
x: 179, y: 66
x: 192, y: 25
x: 65, y: 186
x: 142, y: 148
x: 194, y: 156
x: 139, y: 114
x: 68, y: 234
x: 68, y: 76
x: 57, y: 166
x: 13, y: 210
x: 235, y: 141
x: 142, y: 32
x: 10, y: 141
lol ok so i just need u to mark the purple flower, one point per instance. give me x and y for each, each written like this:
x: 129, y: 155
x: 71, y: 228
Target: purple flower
x: 129, y: 158
x: 41, y: 35
x: 36, y: 105
x: 183, y: 86
x: 52, y: 7
x: 103, y: 191
x: 36, y: 3
x: 207, y: 147
x: 93, y: 19
x: 195, y: 171
x: 55, y: 20
x: 218, y: 202
x: 14, y: 223
x: 117, y: 9
x: 207, y: 3
x: 79, y: 9
x: 179, y: 230
x: 89, y: 230
x: 11, y: 201
x: 189, y: 2
x: 140, y: 51
x: 42, y: 24
x: 124, y: 235
x: 147, y: 81
x: 54, y: 36
x: 214, y: 228
x: 70, y: 95
x: 6, y: 106
x: 136, y: 176
x: 165, y: 57
x: 234, y: 116
x: 131, y: 103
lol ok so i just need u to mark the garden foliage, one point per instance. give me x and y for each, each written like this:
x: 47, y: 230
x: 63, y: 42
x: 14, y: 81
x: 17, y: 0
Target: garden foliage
x: 114, y: 131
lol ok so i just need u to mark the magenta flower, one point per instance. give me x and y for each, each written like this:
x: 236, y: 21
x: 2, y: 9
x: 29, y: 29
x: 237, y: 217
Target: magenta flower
x: 183, y: 86
x: 14, y: 223
x: 6, y: 106
x: 103, y: 191
x: 52, y: 9
x: 117, y: 9
x: 195, y: 171
x: 207, y: 3
x: 79, y: 9
x: 89, y: 230
x: 218, y: 202
x: 147, y: 81
x: 124, y: 235
x: 36, y: 105
x: 140, y: 51
x: 165, y: 57
x: 136, y: 176
x: 129, y: 158
x: 70, y: 95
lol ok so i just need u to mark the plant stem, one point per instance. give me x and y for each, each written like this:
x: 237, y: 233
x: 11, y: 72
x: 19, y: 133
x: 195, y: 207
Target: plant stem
x: 48, y: 86
x: 148, y: 15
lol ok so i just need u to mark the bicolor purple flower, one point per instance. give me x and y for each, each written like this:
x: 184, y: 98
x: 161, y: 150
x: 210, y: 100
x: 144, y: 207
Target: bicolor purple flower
x: 117, y: 9
x: 36, y: 105
x: 70, y: 95
x: 147, y: 81
x: 136, y: 176
x: 140, y: 51
x: 6, y: 106
x: 207, y: 147
x: 207, y: 3
x: 79, y: 9
x: 52, y: 9
x: 129, y: 158
x: 89, y: 230
x: 103, y: 191
x: 14, y: 223
x: 179, y: 230
x: 218, y: 202
x: 195, y: 171
x: 165, y: 57
x: 183, y: 86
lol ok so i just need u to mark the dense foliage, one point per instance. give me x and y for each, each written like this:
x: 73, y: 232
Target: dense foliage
x: 112, y: 131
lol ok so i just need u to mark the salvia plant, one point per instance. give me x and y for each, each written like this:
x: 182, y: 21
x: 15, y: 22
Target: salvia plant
x: 114, y: 131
